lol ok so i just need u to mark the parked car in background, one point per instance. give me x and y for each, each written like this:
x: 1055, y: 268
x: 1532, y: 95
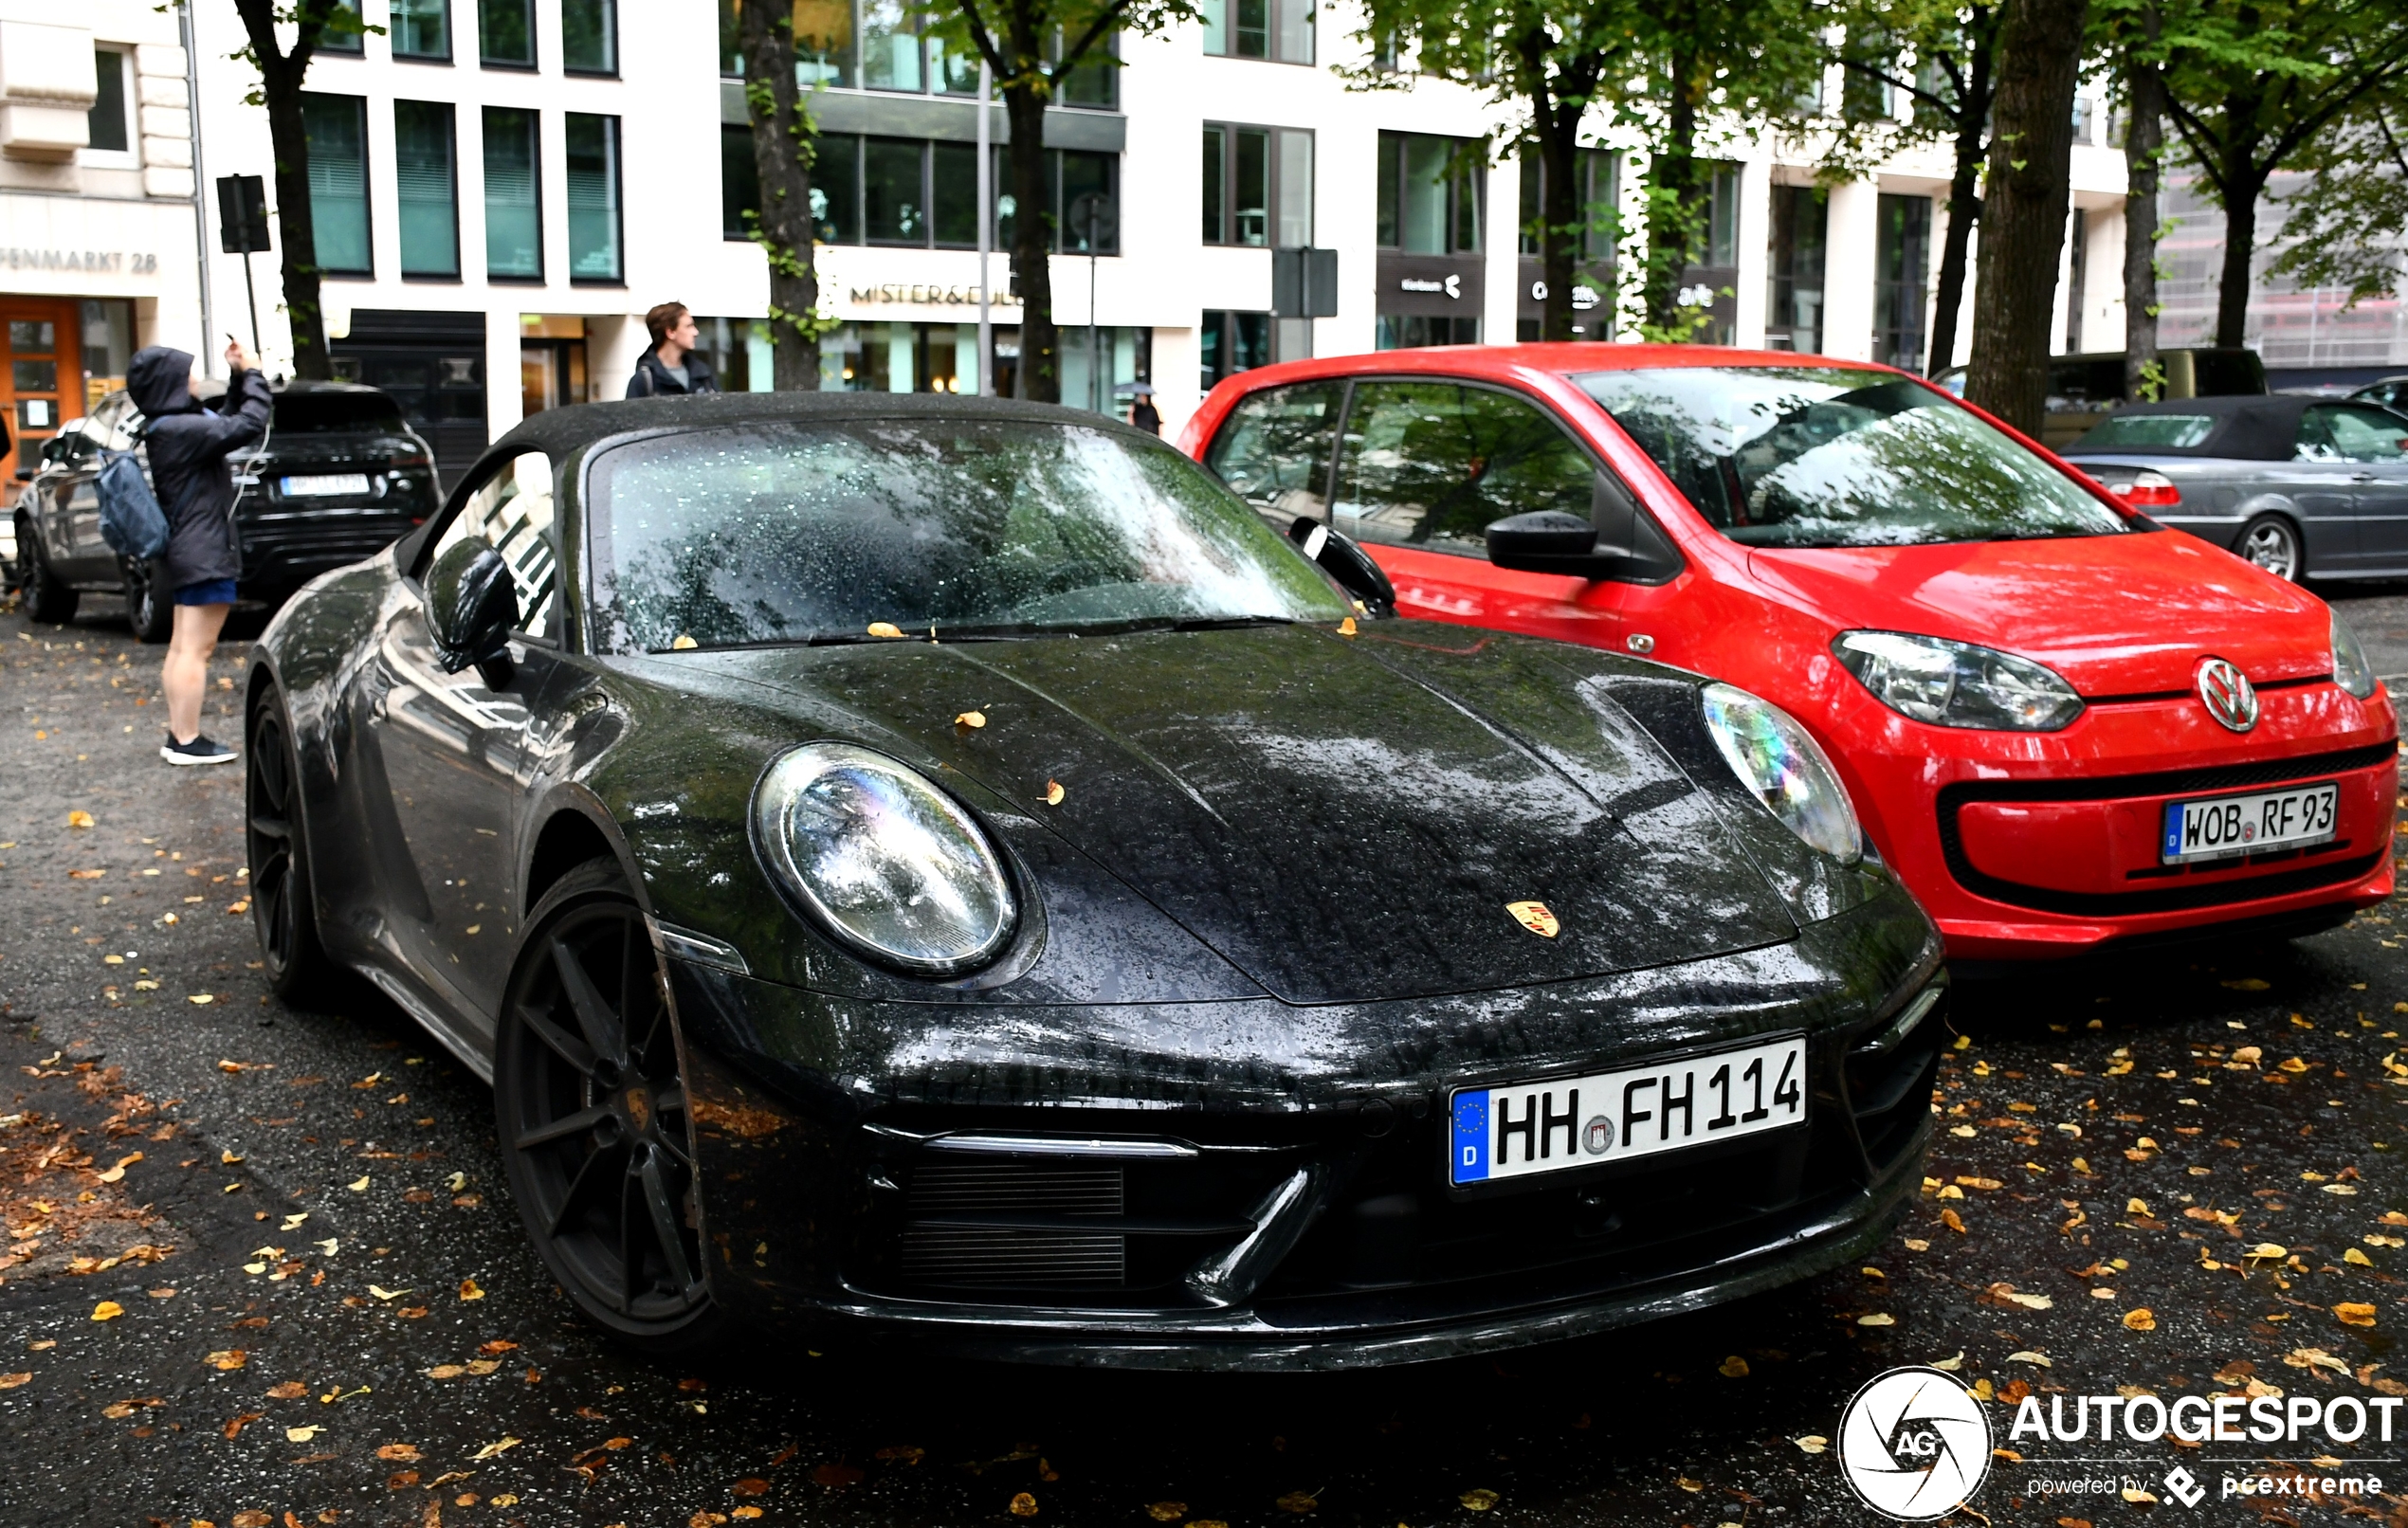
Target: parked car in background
x: 2065, y: 726
x: 2302, y: 486
x: 2084, y: 390
x: 340, y: 476
x: 2391, y: 392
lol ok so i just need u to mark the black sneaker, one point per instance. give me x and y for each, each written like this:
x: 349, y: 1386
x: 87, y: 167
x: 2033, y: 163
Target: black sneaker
x: 199, y: 751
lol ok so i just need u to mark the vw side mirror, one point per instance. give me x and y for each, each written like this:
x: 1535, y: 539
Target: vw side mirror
x: 1549, y: 541
x: 472, y: 607
x: 1339, y: 556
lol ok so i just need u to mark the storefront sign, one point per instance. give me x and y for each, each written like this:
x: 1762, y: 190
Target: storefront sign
x: 1451, y: 286
x: 950, y: 297
x: 96, y: 261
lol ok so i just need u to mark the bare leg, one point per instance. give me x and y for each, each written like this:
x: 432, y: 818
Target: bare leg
x: 185, y: 673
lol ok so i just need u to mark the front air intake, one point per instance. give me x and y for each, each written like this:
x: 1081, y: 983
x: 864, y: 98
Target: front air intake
x: 1013, y: 1225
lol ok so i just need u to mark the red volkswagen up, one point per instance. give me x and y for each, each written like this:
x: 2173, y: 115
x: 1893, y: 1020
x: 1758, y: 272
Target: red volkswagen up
x: 2065, y: 725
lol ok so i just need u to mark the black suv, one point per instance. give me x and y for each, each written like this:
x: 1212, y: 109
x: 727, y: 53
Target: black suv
x: 340, y: 476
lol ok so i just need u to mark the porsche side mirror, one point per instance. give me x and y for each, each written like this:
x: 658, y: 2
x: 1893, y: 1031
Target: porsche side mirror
x: 473, y: 605
x: 1549, y: 541
x: 1344, y: 560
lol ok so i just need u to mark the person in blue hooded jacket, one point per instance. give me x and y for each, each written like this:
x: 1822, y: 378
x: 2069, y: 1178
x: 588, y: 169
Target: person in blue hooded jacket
x: 188, y: 446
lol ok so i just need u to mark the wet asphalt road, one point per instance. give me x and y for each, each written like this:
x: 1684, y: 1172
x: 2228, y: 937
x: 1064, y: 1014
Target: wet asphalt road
x: 398, y: 1357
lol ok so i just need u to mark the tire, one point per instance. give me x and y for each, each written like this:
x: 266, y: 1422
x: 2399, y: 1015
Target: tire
x: 284, y: 906
x: 2271, y: 542
x: 45, y: 599
x: 152, y: 618
x: 590, y: 1106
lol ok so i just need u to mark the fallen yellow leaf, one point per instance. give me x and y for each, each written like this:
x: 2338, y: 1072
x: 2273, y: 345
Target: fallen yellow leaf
x: 359, y: 1185
x: 1053, y: 792
x: 1480, y: 1500
x: 2355, y: 1313
x: 1159, y: 1511
x: 109, y: 1310
x: 201, y: 999
x: 1813, y: 1443
x: 1023, y: 1504
x: 469, y: 1290
x: 1877, y: 1318
x: 303, y: 1434
x: 2361, y: 1258
x: 2140, y: 1318
x: 681, y: 642
x: 972, y: 719
x: 1346, y: 627
x: 503, y: 1445
x: 889, y: 628
x: 1733, y: 1367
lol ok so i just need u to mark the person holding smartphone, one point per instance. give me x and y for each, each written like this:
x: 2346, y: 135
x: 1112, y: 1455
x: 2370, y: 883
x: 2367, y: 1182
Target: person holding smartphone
x: 188, y: 448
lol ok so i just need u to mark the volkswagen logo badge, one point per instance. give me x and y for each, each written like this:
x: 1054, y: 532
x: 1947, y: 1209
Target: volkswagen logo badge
x: 2227, y: 695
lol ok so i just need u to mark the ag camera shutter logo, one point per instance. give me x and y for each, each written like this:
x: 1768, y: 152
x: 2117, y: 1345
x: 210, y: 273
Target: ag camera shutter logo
x: 1914, y: 1445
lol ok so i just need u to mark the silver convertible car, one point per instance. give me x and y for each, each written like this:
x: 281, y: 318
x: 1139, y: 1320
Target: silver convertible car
x: 2303, y: 488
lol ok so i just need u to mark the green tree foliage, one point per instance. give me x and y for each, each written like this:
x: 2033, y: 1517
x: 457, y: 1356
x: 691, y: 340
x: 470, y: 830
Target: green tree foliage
x: 1691, y: 61
x: 282, y: 68
x: 1544, y: 62
x: 2344, y: 226
x: 2256, y: 87
x: 1937, y: 57
x: 1030, y: 46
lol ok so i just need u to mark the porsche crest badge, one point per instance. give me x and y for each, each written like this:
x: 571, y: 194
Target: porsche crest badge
x: 1534, y: 917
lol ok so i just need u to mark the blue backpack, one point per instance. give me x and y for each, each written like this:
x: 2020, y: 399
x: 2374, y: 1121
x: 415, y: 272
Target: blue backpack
x: 131, y: 521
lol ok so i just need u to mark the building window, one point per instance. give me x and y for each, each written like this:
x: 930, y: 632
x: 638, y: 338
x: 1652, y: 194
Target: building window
x: 1278, y: 29
x: 889, y: 47
x: 823, y: 43
x: 1094, y: 84
x: 1430, y: 194
x: 1258, y: 185
x: 589, y: 36
x: 424, y: 192
x: 740, y: 180
x: 594, y: 196
x: 1068, y: 173
x: 111, y: 131
x: 836, y: 186
x: 1232, y: 342
x: 421, y: 30
x: 1410, y: 330
x: 1794, y: 316
x: 894, y: 197
x: 506, y: 33
x: 345, y: 32
x: 1598, y: 195
x: 913, y: 192
x: 514, y: 194
x: 1901, y: 256
x: 337, y: 134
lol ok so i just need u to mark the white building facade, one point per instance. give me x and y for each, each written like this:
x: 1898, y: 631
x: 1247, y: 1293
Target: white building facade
x: 503, y: 187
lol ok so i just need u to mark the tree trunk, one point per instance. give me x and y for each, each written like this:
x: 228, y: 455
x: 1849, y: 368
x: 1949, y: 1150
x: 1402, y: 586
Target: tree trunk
x: 2243, y: 183
x: 1038, y: 376
x: 2023, y: 212
x: 1562, y: 218
x: 1671, y: 232
x: 1964, y: 210
x: 2143, y: 143
x: 280, y: 75
x: 782, y: 152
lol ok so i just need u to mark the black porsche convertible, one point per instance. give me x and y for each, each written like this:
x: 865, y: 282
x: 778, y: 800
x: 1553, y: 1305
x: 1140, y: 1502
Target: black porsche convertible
x: 926, y: 869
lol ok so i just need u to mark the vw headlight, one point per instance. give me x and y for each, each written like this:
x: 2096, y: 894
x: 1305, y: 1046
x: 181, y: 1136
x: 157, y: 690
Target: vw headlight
x: 1956, y: 683
x: 1786, y: 770
x: 2351, y: 670
x: 882, y: 858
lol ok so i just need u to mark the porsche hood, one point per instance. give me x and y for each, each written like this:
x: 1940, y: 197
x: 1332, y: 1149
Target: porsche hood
x: 1340, y: 819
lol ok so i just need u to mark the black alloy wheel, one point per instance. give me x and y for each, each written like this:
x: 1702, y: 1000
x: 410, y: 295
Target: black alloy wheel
x: 152, y: 618
x: 45, y: 599
x: 283, y: 911
x: 589, y: 1103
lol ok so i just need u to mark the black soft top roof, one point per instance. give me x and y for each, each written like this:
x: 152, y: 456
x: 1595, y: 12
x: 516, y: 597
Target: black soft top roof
x: 2261, y: 428
x: 559, y: 431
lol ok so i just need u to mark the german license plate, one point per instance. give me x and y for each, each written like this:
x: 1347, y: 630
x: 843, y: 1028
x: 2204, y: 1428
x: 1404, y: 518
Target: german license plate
x: 2225, y: 827
x: 325, y: 484
x: 1528, y: 1128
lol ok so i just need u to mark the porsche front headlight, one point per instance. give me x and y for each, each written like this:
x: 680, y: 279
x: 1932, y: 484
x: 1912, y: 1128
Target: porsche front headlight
x: 1956, y: 683
x: 883, y: 859
x: 2352, y: 671
x: 1785, y: 769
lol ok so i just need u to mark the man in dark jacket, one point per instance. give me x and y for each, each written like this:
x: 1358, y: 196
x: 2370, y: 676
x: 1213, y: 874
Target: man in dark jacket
x: 672, y: 366
x: 188, y: 446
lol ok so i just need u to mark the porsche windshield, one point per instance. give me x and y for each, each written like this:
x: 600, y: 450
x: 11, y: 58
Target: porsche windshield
x: 785, y: 533
x: 1812, y: 456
